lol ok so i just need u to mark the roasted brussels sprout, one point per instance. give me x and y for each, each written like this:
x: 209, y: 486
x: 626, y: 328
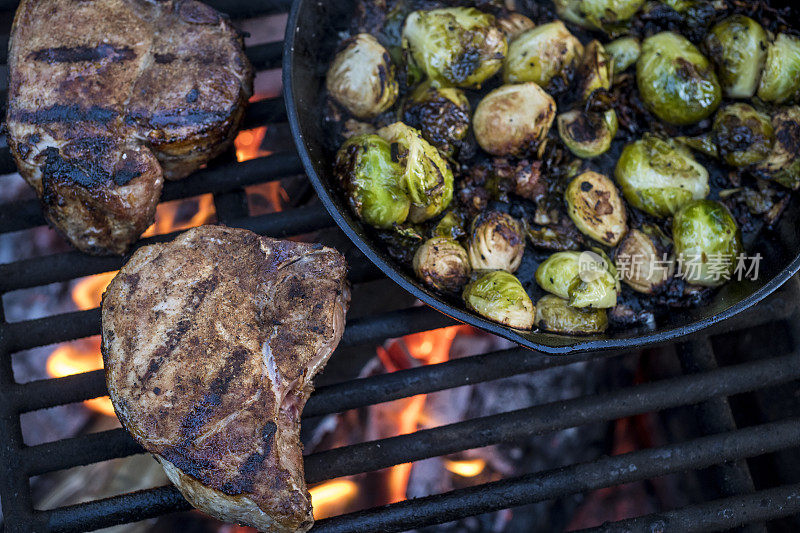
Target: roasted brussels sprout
x: 624, y: 52
x: 456, y: 46
x: 542, y: 53
x: 676, y: 82
x: 659, y: 176
x: 743, y: 135
x: 441, y: 114
x: 597, y: 210
x: 586, y: 279
x: 780, y: 81
x: 595, y: 70
x: 587, y: 134
x: 556, y: 315
x: 372, y: 181
x: 783, y: 163
x: 443, y: 264
x: 514, y: 119
x: 597, y: 14
x: 451, y: 225
x: 499, y: 296
x: 514, y: 24
x: 426, y: 177
x: 707, y: 242
x: 738, y: 46
x: 643, y: 262
x: 497, y: 242
x: 361, y: 77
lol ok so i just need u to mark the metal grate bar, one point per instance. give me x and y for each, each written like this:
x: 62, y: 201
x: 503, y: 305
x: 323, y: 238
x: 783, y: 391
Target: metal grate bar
x: 219, y: 178
x: 474, y: 433
x: 420, y: 512
x: 627, y: 468
x: 71, y: 265
x: 718, y: 515
x: 715, y: 416
x: 333, y: 398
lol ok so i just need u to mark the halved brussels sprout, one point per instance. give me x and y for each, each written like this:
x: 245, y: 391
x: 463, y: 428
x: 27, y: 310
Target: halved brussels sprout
x: 542, y: 53
x: 361, y: 77
x: 556, y: 315
x: 514, y: 119
x: 588, y: 134
x: 442, y: 115
x: 743, y: 135
x: 443, y: 264
x: 595, y: 70
x: 497, y: 242
x: 455, y: 46
x: 643, y: 262
x: 738, y: 45
x: 499, y: 296
x: 624, y: 52
x: 598, y: 14
x: 514, y: 24
x: 372, y: 181
x: 676, y: 82
x: 658, y: 176
x: 707, y: 242
x: 427, y: 178
x: 451, y: 225
x: 597, y: 210
x: 780, y: 81
x: 783, y: 163
x: 586, y: 279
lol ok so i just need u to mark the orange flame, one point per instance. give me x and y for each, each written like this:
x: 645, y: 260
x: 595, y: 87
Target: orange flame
x: 248, y: 144
x: 428, y: 347
x: 465, y: 468
x: 333, y: 497
x: 69, y: 359
x: 167, y: 214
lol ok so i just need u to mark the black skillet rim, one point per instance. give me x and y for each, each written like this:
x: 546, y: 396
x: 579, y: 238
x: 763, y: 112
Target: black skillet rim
x: 461, y: 315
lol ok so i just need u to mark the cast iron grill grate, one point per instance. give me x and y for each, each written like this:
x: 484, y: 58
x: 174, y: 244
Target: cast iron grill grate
x: 703, y: 384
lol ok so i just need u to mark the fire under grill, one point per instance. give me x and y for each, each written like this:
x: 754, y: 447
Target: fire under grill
x: 704, y: 384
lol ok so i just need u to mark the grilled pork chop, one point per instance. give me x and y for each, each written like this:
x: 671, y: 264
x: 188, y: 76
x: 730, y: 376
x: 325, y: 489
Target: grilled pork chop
x: 210, y: 344
x: 108, y: 97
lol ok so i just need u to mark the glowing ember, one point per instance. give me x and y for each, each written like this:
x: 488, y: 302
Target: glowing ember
x: 333, y: 497
x: 466, y: 468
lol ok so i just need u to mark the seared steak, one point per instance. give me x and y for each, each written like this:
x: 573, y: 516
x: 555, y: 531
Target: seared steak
x: 210, y: 344
x: 107, y: 97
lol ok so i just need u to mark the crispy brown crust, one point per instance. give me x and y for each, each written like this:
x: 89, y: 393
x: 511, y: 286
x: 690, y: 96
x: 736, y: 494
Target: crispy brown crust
x: 168, y: 79
x: 210, y: 344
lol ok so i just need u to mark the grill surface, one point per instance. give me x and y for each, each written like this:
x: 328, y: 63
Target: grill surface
x: 703, y: 384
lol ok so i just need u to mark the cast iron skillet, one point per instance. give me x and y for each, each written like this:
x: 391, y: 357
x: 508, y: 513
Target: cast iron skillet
x: 312, y: 35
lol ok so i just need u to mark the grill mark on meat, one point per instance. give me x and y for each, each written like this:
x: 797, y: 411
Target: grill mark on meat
x: 244, y: 481
x: 199, y: 415
x: 68, y: 114
x: 176, y: 335
x: 87, y: 173
x: 79, y: 54
x: 163, y: 59
x: 163, y: 119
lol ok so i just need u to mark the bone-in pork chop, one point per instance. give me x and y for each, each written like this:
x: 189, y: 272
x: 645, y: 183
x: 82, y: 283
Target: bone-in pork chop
x: 108, y: 97
x: 210, y: 343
